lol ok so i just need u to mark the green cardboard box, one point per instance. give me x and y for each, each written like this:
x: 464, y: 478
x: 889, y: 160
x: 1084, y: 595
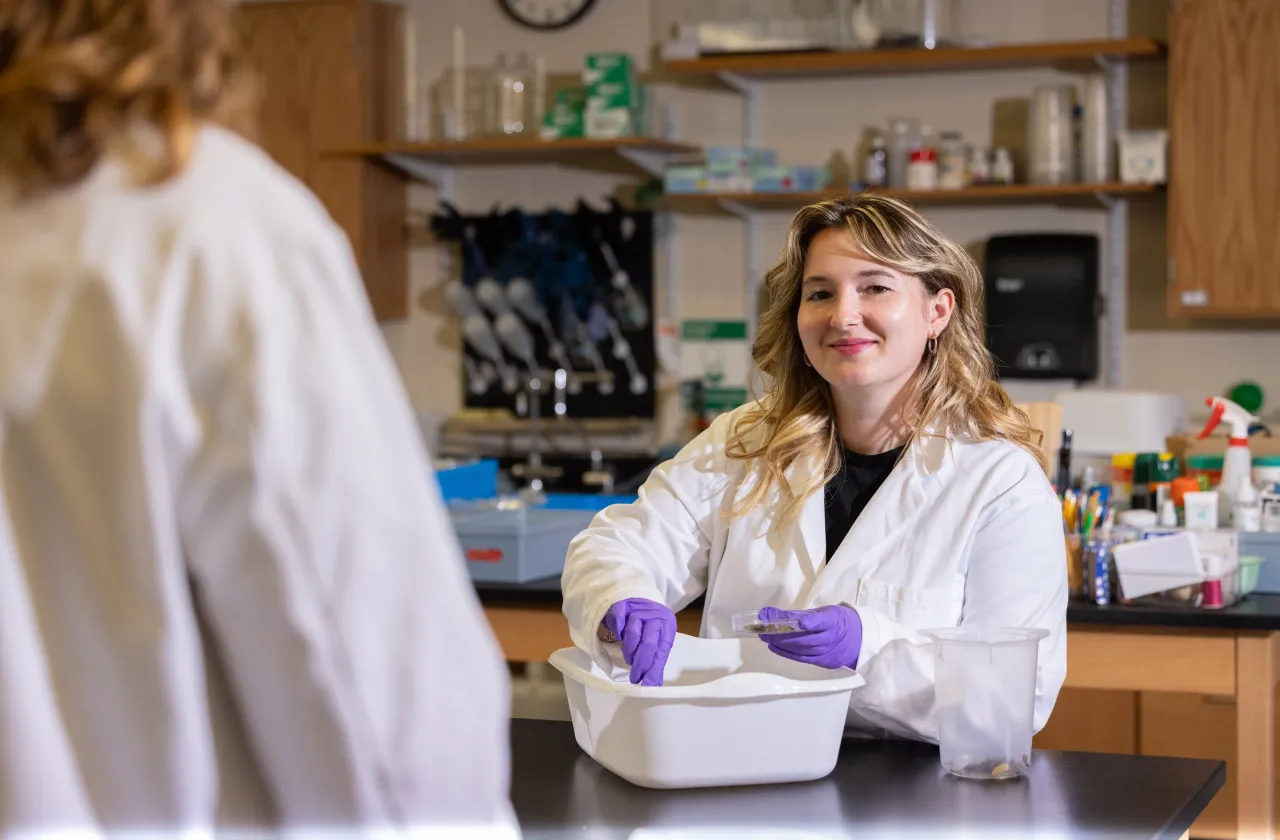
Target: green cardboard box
x: 566, y: 116
x: 615, y: 105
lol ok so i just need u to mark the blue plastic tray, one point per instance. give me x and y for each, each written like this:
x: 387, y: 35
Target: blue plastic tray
x: 469, y: 482
x: 585, y: 501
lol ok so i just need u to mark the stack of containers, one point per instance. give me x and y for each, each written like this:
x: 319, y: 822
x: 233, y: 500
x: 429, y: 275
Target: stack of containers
x: 1051, y: 135
x: 1095, y: 134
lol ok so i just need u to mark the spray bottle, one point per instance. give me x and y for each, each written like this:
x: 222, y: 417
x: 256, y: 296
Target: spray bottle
x: 1237, y: 464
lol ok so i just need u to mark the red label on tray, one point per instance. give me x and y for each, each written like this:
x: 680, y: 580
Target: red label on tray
x: 484, y: 555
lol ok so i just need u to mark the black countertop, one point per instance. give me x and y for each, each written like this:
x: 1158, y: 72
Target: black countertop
x: 879, y: 789
x: 1256, y: 612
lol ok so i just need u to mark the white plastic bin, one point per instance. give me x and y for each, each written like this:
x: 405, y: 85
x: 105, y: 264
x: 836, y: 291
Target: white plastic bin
x: 730, y: 712
x: 985, y: 683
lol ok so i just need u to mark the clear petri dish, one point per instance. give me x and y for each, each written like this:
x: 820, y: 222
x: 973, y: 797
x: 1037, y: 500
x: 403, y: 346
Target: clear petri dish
x: 748, y: 623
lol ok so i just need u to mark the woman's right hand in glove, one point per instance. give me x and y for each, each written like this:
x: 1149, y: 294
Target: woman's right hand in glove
x: 646, y: 630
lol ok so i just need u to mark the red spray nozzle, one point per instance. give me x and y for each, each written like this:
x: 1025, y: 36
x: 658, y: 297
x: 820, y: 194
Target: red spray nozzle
x: 1235, y: 416
x: 1215, y: 417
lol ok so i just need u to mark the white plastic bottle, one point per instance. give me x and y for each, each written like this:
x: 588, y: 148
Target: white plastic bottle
x: 1246, y: 512
x: 922, y: 168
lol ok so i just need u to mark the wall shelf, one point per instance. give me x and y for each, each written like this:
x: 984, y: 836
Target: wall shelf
x: 1064, y: 54
x: 634, y: 156
x: 1071, y: 195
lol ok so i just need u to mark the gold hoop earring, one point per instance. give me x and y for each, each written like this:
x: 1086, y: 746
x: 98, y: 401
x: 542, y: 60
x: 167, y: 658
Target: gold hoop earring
x: 932, y: 345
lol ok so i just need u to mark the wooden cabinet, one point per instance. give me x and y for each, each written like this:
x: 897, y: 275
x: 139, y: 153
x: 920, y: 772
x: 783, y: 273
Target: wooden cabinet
x: 1224, y: 179
x: 330, y: 79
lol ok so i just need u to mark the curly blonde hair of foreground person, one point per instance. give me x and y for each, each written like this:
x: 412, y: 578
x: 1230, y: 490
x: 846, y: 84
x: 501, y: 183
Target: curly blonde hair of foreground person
x: 75, y: 73
x: 954, y: 387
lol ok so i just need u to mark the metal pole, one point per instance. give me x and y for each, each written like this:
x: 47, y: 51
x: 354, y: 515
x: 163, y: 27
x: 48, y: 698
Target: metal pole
x: 1117, y: 210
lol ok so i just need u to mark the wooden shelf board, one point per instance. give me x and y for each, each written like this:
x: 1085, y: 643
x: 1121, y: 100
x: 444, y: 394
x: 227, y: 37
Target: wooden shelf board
x: 630, y: 155
x: 856, y: 62
x: 1072, y: 194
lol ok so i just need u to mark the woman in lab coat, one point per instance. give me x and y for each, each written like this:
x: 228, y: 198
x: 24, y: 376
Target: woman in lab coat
x: 884, y: 479
x: 229, y: 591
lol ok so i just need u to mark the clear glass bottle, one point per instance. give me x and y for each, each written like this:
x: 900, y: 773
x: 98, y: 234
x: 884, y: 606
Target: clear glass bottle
x: 513, y: 96
x: 900, y: 22
x: 913, y: 23
x: 979, y: 166
x: 875, y: 172
x: 904, y: 137
x: 1002, y: 166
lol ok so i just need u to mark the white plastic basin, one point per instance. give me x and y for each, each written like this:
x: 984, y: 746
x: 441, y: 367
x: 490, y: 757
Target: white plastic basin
x: 730, y: 712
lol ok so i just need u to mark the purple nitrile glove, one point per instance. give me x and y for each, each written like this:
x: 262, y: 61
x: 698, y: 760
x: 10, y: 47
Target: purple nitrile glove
x: 830, y: 637
x: 647, y: 630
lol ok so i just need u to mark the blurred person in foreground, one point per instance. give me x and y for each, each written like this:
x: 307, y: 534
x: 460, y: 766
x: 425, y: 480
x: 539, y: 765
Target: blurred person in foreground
x: 230, y: 596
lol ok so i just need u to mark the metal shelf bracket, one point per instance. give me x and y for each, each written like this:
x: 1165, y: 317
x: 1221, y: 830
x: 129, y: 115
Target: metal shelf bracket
x: 741, y: 84
x: 649, y: 162
x: 432, y: 173
x: 737, y: 208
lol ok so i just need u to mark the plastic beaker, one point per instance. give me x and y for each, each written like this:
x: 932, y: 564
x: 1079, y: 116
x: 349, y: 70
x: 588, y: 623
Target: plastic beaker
x: 985, y: 684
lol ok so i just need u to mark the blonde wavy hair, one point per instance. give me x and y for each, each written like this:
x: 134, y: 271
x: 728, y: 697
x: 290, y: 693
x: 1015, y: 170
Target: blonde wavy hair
x: 73, y: 73
x: 954, y: 387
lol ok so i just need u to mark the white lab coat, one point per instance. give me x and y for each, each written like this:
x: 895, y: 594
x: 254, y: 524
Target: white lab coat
x: 229, y: 592
x: 960, y: 533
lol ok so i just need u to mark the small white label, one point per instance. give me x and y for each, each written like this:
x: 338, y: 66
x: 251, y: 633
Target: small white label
x: 1009, y: 285
x: 1195, y: 297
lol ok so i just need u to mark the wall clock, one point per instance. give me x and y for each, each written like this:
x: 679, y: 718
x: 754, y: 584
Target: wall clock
x: 546, y: 14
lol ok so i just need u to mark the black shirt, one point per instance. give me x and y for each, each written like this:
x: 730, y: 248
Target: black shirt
x: 848, y: 492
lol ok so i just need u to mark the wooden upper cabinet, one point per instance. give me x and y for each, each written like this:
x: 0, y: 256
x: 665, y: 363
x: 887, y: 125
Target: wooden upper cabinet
x: 329, y: 75
x: 1224, y: 178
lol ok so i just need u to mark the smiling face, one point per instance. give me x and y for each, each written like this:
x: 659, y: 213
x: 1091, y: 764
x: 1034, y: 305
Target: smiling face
x: 864, y: 325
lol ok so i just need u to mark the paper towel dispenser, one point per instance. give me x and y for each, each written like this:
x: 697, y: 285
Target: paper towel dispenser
x: 1043, y: 305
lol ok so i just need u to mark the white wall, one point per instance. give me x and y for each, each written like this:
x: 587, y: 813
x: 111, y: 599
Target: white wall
x: 806, y: 121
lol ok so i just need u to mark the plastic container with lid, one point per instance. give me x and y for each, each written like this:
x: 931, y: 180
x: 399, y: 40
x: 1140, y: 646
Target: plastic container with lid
x: 1266, y: 471
x: 1201, y: 510
x: 985, y: 687
x: 922, y: 164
